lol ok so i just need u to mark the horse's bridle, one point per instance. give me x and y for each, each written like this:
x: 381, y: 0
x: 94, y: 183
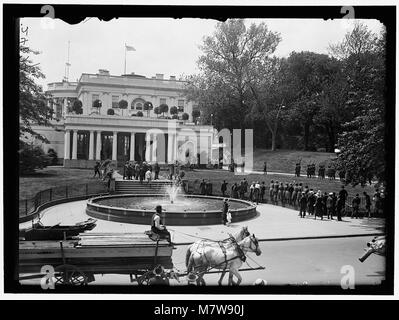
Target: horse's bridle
x: 255, y: 242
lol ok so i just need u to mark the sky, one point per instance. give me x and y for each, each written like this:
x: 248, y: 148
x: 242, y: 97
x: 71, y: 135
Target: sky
x: 163, y: 45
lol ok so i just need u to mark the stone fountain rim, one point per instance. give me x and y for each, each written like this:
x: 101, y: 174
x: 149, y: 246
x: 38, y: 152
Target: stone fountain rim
x: 91, y: 201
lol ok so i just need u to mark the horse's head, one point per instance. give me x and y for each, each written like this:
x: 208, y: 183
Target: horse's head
x: 250, y: 243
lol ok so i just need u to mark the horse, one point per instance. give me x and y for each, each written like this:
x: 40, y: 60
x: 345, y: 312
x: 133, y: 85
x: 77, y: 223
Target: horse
x: 198, y: 245
x: 230, y: 258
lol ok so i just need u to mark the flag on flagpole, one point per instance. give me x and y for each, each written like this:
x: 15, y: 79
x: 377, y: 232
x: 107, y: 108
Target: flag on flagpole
x: 129, y: 48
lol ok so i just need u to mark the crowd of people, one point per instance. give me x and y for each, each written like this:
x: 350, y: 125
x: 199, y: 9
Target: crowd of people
x: 307, y: 200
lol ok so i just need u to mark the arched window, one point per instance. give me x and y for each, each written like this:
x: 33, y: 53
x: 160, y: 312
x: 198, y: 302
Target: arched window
x: 139, y: 106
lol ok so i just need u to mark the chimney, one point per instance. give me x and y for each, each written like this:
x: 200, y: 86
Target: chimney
x: 159, y: 76
x: 173, y: 78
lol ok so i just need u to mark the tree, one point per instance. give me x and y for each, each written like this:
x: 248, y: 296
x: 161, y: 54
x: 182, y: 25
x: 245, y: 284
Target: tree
x: 362, y: 142
x: 185, y: 116
x: 123, y: 104
x: 110, y: 112
x: 227, y: 69
x: 157, y: 111
x: 77, y: 107
x: 163, y: 108
x: 148, y: 106
x: 33, y: 107
x: 97, y: 104
x: 139, y: 114
x: 173, y: 111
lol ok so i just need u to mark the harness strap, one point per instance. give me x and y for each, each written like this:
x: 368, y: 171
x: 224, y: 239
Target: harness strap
x: 225, y: 255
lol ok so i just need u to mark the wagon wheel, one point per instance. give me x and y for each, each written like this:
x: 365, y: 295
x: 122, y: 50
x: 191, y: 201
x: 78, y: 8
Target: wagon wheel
x: 67, y: 274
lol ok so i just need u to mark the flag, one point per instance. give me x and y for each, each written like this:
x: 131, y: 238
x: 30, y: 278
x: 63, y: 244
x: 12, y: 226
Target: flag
x: 129, y: 48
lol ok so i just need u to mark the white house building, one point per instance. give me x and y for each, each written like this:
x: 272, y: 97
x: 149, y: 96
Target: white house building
x: 83, y: 139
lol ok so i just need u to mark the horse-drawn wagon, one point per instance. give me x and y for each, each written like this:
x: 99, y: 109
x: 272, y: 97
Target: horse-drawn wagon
x: 77, y: 261
x: 146, y: 259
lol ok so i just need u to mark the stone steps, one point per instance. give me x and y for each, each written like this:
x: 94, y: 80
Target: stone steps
x: 135, y: 187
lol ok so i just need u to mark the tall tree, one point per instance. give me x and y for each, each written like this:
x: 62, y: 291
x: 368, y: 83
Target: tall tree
x: 225, y: 67
x: 33, y: 109
x: 362, y: 141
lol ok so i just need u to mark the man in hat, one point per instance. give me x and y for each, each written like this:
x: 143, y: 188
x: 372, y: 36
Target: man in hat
x: 329, y: 205
x: 157, y: 227
x: 303, y: 203
x: 224, y: 211
x: 355, y: 206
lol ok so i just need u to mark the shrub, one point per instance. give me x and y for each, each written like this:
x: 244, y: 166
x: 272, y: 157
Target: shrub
x: 123, y: 104
x: 157, y: 111
x: 163, y: 108
x: 52, y: 154
x: 31, y: 158
x: 185, y: 116
x: 110, y: 112
x: 173, y: 110
x: 139, y: 114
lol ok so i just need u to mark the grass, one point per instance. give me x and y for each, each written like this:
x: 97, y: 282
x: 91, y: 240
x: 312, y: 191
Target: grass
x: 216, y: 177
x: 285, y: 160
x: 52, y: 177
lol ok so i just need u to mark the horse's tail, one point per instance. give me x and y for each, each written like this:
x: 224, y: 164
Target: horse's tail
x: 188, y: 255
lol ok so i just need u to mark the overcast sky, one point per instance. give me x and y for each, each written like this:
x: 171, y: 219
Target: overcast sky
x: 164, y: 45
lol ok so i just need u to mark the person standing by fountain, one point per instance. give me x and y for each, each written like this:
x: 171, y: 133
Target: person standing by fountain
x: 224, y: 211
x: 156, y: 170
x: 224, y: 188
x: 157, y: 227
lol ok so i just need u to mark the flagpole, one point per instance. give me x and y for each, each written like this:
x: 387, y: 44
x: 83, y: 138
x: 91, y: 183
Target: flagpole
x: 125, y: 58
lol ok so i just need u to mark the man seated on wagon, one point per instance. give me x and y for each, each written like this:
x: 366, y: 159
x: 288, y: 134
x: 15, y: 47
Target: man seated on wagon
x: 157, y: 227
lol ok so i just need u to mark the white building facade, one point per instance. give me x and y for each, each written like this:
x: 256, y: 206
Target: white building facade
x: 131, y: 134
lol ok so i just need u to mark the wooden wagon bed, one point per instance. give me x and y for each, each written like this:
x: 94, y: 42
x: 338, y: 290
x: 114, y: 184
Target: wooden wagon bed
x: 97, y: 253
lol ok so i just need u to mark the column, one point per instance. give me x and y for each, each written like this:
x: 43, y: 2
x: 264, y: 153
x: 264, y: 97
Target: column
x: 132, y: 144
x: 65, y: 107
x: 91, y: 145
x: 98, y: 146
x: 175, y: 147
x: 147, y: 147
x: 75, y: 145
x: 170, y: 147
x: 114, y: 145
x: 154, y: 148
x: 67, y: 142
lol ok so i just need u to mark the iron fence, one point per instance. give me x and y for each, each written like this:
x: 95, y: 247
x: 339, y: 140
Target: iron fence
x: 28, y: 206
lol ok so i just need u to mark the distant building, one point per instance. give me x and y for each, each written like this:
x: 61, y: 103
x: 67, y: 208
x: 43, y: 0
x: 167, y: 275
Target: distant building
x: 82, y: 139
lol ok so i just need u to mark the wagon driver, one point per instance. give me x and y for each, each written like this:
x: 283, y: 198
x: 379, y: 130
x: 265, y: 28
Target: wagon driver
x: 157, y: 227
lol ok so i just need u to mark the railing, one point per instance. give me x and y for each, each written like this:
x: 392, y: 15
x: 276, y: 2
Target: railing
x: 29, y: 206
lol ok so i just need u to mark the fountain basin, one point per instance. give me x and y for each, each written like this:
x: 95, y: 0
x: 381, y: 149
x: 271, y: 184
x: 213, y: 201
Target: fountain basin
x: 187, y: 210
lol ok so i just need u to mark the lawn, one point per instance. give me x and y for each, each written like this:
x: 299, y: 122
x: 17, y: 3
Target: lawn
x: 216, y: 177
x: 285, y: 160
x: 51, y: 177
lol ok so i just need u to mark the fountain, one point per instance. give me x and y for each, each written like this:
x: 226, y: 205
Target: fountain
x: 179, y: 209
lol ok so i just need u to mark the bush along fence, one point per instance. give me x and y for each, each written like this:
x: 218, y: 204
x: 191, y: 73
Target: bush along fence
x: 30, y: 206
x: 214, y: 189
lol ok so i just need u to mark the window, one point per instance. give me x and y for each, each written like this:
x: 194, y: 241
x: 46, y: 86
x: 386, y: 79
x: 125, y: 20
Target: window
x: 115, y: 103
x: 162, y: 101
x: 95, y: 97
x: 180, y: 105
x: 139, y: 106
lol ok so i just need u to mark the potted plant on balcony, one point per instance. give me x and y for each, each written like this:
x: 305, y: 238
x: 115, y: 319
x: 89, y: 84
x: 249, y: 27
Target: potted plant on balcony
x: 139, y: 114
x: 77, y: 107
x: 110, y: 112
x: 123, y: 105
x: 157, y: 111
x: 97, y: 104
x: 163, y: 108
x: 173, y: 112
x: 185, y: 116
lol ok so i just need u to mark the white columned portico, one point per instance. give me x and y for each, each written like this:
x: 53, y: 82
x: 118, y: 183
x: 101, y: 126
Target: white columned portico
x: 75, y: 145
x: 147, y: 147
x: 67, y: 142
x: 91, y: 145
x: 132, y: 146
x: 114, y: 145
x: 98, y: 146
